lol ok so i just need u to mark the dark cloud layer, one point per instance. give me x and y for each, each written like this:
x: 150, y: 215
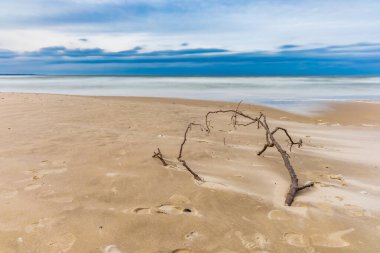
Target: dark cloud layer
x: 356, y: 59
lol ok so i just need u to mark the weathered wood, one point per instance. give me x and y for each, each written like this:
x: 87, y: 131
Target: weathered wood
x: 270, y: 142
x: 180, y: 159
x: 158, y: 155
x: 294, y: 186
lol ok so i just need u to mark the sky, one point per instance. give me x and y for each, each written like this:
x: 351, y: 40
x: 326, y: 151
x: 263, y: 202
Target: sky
x: 190, y: 37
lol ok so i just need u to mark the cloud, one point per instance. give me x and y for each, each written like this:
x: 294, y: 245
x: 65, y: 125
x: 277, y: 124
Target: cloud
x: 353, y: 59
x: 4, y: 54
x: 288, y: 46
x: 240, y: 25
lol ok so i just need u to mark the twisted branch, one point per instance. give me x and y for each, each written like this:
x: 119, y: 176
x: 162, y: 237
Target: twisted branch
x: 179, y: 158
x: 270, y: 142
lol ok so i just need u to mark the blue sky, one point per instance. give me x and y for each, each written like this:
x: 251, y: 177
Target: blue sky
x: 183, y: 37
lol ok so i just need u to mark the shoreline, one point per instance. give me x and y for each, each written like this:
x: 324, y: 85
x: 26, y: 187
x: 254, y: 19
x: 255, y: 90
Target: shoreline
x: 329, y: 110
x: 77, y: 176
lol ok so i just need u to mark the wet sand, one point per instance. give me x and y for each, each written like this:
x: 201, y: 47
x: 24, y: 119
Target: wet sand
x: 77, y: 176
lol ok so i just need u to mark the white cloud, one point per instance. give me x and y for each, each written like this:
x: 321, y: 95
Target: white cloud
x: 241, y: 25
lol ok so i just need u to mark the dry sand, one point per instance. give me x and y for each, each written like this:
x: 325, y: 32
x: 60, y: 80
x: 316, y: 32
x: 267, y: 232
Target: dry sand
x: 77, y: 176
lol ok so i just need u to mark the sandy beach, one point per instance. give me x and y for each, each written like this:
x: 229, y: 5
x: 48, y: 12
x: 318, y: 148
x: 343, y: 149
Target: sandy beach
x: 77, y: 175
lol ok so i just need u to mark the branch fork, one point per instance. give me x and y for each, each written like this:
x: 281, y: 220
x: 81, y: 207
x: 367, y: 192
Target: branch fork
x: 271, y: 141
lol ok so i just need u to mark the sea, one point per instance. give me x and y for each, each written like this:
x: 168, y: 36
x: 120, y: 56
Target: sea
x: 305, y: 95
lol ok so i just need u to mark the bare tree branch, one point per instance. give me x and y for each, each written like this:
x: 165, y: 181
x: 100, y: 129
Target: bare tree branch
x: 236, y: 112
x: 305, y: 186
x: 294, y: 187
x: 291, y: 142
x: 158, y: 155
x: 179, y: 158
x: 195, y: 175
x: 185, y: 137
x: 270, y: 142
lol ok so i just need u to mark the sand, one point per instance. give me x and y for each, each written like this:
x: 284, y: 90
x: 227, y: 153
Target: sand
x: 77, y: 176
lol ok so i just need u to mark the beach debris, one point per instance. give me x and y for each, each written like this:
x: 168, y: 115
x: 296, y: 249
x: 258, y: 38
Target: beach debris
x: 261, y: 122
x: 180, y: 159
x: 271, y: 141
x: 158, y: 155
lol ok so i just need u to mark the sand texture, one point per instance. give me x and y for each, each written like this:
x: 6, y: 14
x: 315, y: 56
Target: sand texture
x: 77, y: 175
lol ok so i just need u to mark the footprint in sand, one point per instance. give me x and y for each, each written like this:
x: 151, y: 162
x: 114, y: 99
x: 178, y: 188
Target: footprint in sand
x: 337, y: 178
x: 191, y: 236
x: 46, y: 194
x: 8, y: 194
x: 142, y: 210
x: 299, y: 240
x: 45, y: 172
x: 32, y: 187
x: 112, y: 174
x: 255, y: 241
x: 112, y: 249
x: 356, y: 211
x: 63, y: 243
x: 114, y: 190
x: 165, y: 209
x: 278, y: 215
x: 179, y: 199
x: 10, y: 226
x: 62, y: 199
x: 51, y: 195
x: 324, y: 207
x: 333, y: 240
x: 182, y: 251
x: 174, y: 210
x: 42, y: 223
x: 122, y: 152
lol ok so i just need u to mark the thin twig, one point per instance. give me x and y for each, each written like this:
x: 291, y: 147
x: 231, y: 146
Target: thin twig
x: 158, y: 155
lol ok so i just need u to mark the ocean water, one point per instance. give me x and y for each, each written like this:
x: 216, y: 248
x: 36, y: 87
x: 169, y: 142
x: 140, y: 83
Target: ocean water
x: 297, y: 94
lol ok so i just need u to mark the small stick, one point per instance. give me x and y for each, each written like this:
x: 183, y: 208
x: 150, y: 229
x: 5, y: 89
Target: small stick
x: 179, y: 158
x: 158, y: 155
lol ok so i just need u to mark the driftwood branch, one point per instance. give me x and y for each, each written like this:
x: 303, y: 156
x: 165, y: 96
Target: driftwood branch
x: 195, y: 175
x: 183, y: 161
x: 291, y: 142
x: 185, y: 137
x: 270, y: 142
x: 159, y: 155
x: 233, y: 119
